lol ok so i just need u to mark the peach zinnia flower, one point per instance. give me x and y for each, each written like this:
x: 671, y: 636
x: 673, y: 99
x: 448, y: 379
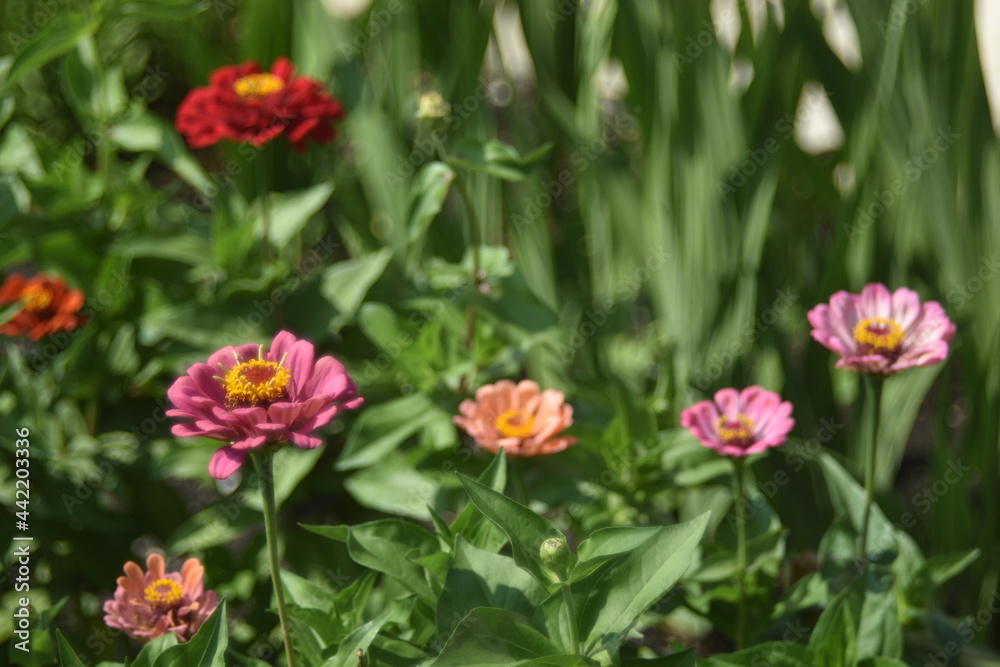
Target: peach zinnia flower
x: 47, y: 306
x: 246, y: 105
x: 740, y: 423
x: 149, y: 604
x: 517, y: 418
x: 254, y: 398
x: 882, y: 332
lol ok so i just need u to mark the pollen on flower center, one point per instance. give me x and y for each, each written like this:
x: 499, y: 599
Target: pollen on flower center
x: 515, y: 424
x: 878, y: 335
x: 163, y: 593
x: 736, y: 430
x: 256, y: 381
x: 258, y: 85
x: 36, y: 298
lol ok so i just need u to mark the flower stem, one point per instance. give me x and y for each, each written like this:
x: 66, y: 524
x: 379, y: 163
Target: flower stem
x: 574, y: 634
x: 741, y: 551
x: 477, y: 277
x: 873, y: 408
x: 265, y: 212
x: 264, y: 463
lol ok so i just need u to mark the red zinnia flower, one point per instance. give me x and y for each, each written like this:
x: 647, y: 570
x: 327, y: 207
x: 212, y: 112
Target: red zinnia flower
x: 244, y: 104
x: 47, y: 306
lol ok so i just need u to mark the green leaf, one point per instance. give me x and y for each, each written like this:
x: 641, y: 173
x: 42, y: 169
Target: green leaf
x: 427, y: 195
x: 496, y: 159
x: 392, y: 546
x: 834, y: 639
x: 381, y: 429
x: 494, y: 637
x: 848, y: 498
x: 361, y: 638
x: 337, y: 533
x: 95, y: 91
x: 772, y: 654
x: 682, y: 659
x: 67, y: 656
x: 936, y: 571
x: 612, y: 602
x: 152, y: 134
x: 394, y: 488
x: 151, y: 651
x: 158, y: 10
x: 346, y: 283
x: 59, y: 36
x: 290, y: 211
x: 478, y: 578
x: 206, y: 649
x: 525, y: 529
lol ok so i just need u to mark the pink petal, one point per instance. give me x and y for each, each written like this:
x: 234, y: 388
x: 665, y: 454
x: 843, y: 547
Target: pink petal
x: 225, y: 462
x: 875, y: 301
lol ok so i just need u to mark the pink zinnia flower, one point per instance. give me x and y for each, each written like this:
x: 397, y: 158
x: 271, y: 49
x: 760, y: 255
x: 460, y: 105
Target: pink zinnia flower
x: 149, y: 604
x: 517, y: 418
x: 740, y: 423
x: 254, y: 398
x: 882, y: 332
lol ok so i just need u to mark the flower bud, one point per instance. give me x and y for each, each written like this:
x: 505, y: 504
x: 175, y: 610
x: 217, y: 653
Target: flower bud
x: 556, y: 556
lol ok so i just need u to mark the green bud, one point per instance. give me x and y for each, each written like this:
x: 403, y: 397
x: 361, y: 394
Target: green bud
x: 556, y: 555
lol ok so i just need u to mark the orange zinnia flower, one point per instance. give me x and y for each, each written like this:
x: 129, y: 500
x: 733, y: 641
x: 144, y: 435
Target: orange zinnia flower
x: 47, y: 306
x: 519, y: 419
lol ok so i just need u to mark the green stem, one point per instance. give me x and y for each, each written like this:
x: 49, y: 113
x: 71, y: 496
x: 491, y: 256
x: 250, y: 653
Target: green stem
x: 741, y: 552
x: 517, y: 478
x: 477, y: 277
x: 264, y: 463
x: 873, y: 408
x: 574, y: 635
x: 265, y: 212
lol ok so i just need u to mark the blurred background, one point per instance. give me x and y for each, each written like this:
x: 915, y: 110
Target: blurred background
x: 661, y: 191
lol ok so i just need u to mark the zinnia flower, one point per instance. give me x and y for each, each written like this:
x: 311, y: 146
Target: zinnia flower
x: 517, y: 418
x: 254, y: 398
x: 149, y: 604
x: 740, y: 423
x: 882, y: 332
x: 47, y: 306
x: 244, y: 104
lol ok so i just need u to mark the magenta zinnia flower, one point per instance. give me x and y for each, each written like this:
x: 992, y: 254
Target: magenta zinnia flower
x: 882, y: 332
x: 149, y: 604
x: 520, y: 419
x: 740, y: 423
x: 254, y: 398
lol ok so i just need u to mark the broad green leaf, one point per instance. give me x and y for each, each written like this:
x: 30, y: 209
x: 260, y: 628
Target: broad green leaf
x: 346, y: 283
x: 361, y: 638
x: 149, y: 133
x: 392, y: 546
x: 290, y: 211
x: 478, y: 578
x: 206, y: 649
x: 848, y: 498
x: 612, y: 602
x: 54, y: 39
x: 94, y: 90
x: 427, y: 194
x: 381, y: 429
x: 525, y: 529
x: 305, y: 593
x: 394, y: 488
x: 936, y: 571
x: 607, y: 544
x: 834, y: 639
x: 151, y: 651
x: 494, y: 637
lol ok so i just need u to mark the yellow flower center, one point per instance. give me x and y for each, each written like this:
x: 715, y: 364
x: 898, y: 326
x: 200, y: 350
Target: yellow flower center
x: 736, y: 430
x: 258, y: 85
x: 36, y: 298
x: 878, y: 335
x: 256, y: 381
x: 515, y: 424
x: 163, y: 593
